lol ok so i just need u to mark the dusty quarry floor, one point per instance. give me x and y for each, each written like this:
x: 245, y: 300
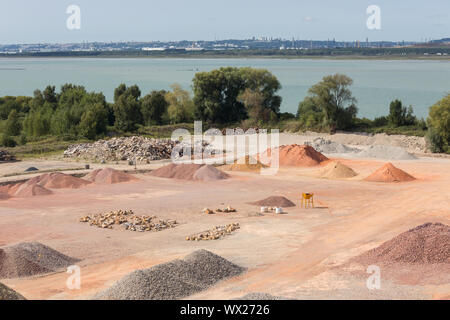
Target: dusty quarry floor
x: 294, y: 255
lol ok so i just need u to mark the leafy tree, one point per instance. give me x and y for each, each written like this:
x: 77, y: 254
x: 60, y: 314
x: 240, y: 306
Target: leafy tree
x: 127, y: 107
x: 49, y: 95
x: 181, y: 108
x: 93, y: 121
x: 153, y: 107
x: 13, y: 125
x: 7, y: 141
x: 310, y: 115
x: 254, y: 102
x: 400, y: 115
x: 334, y: 98
x: 439, y: 125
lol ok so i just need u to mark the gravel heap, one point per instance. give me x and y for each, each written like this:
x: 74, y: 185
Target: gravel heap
x: 426, y: 244
x: 7, y: 293
x: 173, y: 280
x: 386, y: 152
x: 129, y: 221
x: 125, y: 148
x: 6, y: 156
x: 327, y: 146
x: 215, y: 233
x: 31, y: 258
x: 274, y: 201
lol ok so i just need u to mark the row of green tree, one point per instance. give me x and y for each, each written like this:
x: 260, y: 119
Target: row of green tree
x: 226, y: 96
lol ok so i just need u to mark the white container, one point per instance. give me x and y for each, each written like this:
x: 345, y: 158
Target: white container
x: 279, y: 210
x: 264, y: 209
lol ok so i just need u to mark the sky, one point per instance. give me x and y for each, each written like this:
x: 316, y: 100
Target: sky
x: 37, y: 21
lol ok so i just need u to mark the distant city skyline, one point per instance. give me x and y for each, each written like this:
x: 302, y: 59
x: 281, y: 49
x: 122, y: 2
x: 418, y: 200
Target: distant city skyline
x: 44, y: 21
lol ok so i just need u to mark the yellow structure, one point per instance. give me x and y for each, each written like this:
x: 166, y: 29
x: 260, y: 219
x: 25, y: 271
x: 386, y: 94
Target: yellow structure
x: 307, y: 200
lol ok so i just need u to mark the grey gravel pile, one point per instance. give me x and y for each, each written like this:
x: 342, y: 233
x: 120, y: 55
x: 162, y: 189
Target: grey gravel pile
x: 261, y: 296
x: 386, y: 152
x: 327, y: 146
x: 31, y: 258
x: 7, y: 293
x: 173, y: 280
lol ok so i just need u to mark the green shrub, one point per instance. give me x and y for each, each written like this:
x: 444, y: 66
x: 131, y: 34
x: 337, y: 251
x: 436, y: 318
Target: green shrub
x: 7, y: 141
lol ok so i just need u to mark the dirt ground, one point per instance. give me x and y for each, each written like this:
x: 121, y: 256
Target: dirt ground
x: 294, y: 255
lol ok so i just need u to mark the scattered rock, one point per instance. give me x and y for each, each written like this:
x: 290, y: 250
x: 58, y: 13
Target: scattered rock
x: 6, y: 156
x: 129, y: 221
x: 215, y: 233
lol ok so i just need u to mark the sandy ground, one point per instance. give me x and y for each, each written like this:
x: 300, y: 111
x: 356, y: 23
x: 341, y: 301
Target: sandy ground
x: 297, y: 254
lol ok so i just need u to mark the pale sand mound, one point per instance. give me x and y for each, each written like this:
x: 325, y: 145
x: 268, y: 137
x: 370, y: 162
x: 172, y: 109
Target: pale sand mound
x: 58, y: 180
x: 173, y: 280
x: 337, y: 170
x: 29, y: 189
x: 209, y: 173
x: 296, y: 156
x: 389, y: 173
x: 425, y: 244
x: 7, y: 293
x: 109, y: 176
x: 246, y: 164
x: 189, y: 172
x: 274, y: 201
x: 31, y: 258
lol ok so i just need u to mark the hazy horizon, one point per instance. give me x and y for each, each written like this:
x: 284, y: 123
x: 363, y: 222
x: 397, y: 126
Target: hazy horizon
x: 136, y: 21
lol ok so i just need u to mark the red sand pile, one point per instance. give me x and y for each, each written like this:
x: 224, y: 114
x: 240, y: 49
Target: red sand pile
x: 109, y: 176
x: 58, y: 180
x: 389, y: 173
x: 274, y: 201
x: 426, y: 244
x: 191, y: 172
x: 295, y: 155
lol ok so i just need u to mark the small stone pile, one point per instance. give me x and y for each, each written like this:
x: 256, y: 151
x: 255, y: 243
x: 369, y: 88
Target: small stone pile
x: 228, y: 209
x: 124, y: 148
x: 215, y: 233
x: 128, y: 220
x: 6, y: 156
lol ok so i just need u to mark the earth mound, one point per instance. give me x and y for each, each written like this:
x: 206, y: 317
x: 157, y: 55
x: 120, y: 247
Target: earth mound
x: 296, y: 156
x: 246, y: 164
x: 190, y: 172
x: 337, y: 170
x: 173, y: 280
x: 425, y: 244
x: 31, y: 258
x: 389, y: 173
x: 274, y: 201
x: 29, y: 188
x: 386, y: 152
x: 7, y: 293
x: 58, y: 180
x: 109, y: 176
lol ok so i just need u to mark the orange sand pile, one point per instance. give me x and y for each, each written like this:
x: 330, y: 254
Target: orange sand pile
x: 58, y: 180
x: 295, y: 155
x: 247, y: 164
x: 29, y: 188
x: 109, y: 176
x: 191, y: 172
x: 389, y: 173
x: 337, y: 170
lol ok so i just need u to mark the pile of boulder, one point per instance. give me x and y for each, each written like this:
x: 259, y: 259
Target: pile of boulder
x: 6, y: 156
x: 128, y: 220
x: 228, y: 209
x: 137, y: 148
x: 215, y: 233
